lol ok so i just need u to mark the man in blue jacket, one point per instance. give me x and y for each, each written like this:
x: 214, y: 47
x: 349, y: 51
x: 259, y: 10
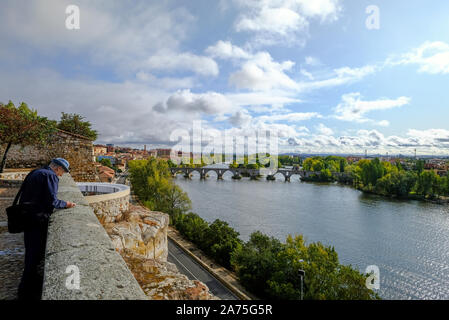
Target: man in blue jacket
x: 40, y: 189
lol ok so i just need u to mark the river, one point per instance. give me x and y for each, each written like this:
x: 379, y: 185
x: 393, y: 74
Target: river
x: 407, y: 240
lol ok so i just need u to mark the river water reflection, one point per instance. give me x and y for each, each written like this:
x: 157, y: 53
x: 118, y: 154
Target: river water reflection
x: 407, y: 240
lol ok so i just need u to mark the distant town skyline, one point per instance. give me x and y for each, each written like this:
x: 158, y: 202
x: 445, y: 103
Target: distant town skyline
x: 329, y: 76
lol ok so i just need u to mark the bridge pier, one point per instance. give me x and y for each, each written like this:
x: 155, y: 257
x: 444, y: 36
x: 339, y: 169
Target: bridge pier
x: 237, y: 176
x: 287, y: 178
x: 271, y: 177
x: 219, y: 175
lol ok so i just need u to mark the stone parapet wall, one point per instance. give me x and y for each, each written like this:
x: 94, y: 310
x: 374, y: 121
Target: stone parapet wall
x: 76, y: 240
x: 110, y: 210
x: 108, y: 207
x: 76, y: 149
x: 12, y: 179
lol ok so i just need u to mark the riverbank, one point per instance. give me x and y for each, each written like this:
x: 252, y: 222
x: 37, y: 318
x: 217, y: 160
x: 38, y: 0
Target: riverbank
x: 438, y: 200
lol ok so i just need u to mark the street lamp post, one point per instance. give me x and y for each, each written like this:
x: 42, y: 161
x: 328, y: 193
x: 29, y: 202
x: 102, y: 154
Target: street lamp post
x: 302, y: 274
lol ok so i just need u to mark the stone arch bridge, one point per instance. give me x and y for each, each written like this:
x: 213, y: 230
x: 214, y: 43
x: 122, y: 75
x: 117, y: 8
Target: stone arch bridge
x: 251, y: 173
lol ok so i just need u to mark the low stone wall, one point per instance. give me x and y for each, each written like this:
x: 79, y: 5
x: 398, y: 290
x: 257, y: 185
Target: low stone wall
x: 108, y: 207
x: 78, y: 150
x: 77, y: 241
x: 12, y: 179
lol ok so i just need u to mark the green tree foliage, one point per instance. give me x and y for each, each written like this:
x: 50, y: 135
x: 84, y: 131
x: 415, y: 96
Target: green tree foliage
x: 393, y: 180
x: 176, y: 201
x: 192, y: 226
x: 428, y: 184
x: 106, y: 162
x: 272, y: 268
x: 22, y: 126
x: 74, y: 123
x: 326, y: 175
x: 220, y: 241
x: 254, y: 262
x: 289, y: 160
x: 152, y: 182
x: 370, y: 172
x: 419, y: 166
x: 399, y: 183
x: 313, y: 164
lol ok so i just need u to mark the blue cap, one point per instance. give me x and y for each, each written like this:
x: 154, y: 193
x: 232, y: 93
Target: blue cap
x: 62, y: 162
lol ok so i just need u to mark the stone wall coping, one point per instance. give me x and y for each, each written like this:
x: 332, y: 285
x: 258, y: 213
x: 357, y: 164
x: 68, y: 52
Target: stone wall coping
x: 116, y: 191
x: 13, y: 176
x: 77, y: 241
x: 73, y: 134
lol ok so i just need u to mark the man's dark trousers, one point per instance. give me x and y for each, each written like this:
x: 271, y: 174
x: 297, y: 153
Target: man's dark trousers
x: 35, y: 236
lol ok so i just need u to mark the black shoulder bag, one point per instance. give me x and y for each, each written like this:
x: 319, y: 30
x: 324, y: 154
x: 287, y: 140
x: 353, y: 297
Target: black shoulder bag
x: 18, y: 213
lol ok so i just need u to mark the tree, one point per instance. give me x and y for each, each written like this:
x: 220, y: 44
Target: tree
x: 419, y: 166
x: 22, y: 126
x: 192, y: 226
x: 106, y: 162
x: 370, y: 171
x: 326, y: 278
x: 427, y: 183
x: 398, y: 183
x: 343, y: 164
x: 270, y: 269
x: 151, y: 181
x: 254, y: 262
x: 220, y: 241
x: 74, y: 123
x: 176, y: 201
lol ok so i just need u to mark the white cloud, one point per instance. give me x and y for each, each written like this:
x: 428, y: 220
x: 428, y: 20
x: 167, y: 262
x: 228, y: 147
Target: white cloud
x: 262, y: 73
x: 425, y: 141
x: 240, y: 118
x: 307, y: 74
x: 289, y: 117
x: 171, y: 61
x: 434, y: 137
x: 226, y: 50
x: 312, y: 61
x: 322, y: 129
x: 204, y: 103
x: 287, y: 21
x: 166, y: 82
x: 111, y: 32
x: 266, y: 101
x: 281, y: 21
x: 353, y: 108
x: 339, y: 77
x: 431, y: 57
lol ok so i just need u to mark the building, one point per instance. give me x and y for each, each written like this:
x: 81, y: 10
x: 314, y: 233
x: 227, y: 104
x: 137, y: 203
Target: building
x: 105, y: 174
x: 110, y: 147
x: 100, y: 150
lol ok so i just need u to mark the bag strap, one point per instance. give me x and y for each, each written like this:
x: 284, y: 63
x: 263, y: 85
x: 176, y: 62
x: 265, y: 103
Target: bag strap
x: 16, y: 199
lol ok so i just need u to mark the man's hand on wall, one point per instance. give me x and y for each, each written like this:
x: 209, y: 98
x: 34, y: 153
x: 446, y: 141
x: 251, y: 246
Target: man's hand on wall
x: 70, y: 204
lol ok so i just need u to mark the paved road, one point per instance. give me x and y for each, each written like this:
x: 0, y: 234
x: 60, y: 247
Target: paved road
x: 194, y: 271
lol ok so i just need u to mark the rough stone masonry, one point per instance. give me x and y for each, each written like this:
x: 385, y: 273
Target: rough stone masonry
x: 78, y: 150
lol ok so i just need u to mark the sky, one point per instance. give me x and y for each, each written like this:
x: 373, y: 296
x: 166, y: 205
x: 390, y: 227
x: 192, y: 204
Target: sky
x: 327, y: 76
